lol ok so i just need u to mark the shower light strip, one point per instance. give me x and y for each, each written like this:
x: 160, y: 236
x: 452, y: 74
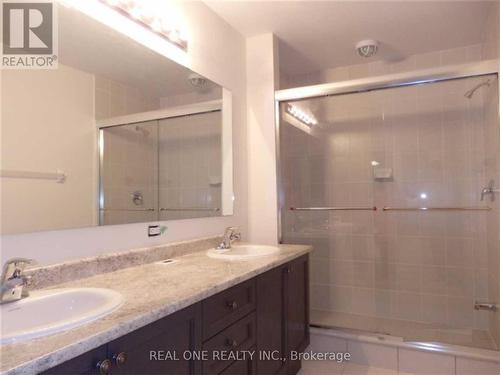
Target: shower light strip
x: 145, y: 16
x: 300, y: 115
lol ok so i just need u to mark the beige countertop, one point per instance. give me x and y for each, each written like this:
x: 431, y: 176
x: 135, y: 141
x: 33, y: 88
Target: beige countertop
x: 151, y: 291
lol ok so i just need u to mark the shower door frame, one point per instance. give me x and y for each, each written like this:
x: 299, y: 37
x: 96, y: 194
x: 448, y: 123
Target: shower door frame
x: 412, y: 78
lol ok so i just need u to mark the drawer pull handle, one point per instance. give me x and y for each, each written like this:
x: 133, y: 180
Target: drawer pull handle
x: 104, y: 366
x: 120, y: 359
x: 231, y: 343
x: 233, y: 305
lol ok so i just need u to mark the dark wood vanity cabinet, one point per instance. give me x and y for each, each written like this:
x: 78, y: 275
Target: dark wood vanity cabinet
x: 160, y: 347
x: 283, y: 316
x: 297, y: 309
x: 84, y: 364
x: 267, y: 316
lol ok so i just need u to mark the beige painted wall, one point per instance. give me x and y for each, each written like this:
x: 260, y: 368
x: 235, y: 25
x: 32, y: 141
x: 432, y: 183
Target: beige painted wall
x: 218, y: 55
x: 63, y: 98
x: 262, y: 196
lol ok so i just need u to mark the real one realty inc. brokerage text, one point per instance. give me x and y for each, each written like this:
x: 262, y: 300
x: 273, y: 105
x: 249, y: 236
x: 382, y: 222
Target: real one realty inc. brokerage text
x: 243, y: 355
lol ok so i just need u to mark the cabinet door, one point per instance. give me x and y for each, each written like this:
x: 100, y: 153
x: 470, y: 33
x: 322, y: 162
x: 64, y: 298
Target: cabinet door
x: 159, y: 348
x: 297, y: 294
x: 84, y: 364
x: 271, y: 325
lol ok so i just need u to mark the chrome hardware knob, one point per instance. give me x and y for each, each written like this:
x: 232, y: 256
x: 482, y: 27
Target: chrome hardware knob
x: 233, y: 305
x: 120, y: 359
x: 104, y: 366
x: 137, y: 198
x: 231, y: 343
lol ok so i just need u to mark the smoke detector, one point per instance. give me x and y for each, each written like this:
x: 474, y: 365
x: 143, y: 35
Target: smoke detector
x: 367, y: 48
x: 197, y: 81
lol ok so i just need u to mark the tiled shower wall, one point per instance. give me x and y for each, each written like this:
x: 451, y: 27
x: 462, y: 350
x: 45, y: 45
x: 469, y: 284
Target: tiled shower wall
x: 130, y: 165
x: 435, y: 59
x: 491, y: 50
x: 175, y: 163
x: 190, y: 173
x: 492, y: 172
x: 114, y: 98
x: 416, y: 266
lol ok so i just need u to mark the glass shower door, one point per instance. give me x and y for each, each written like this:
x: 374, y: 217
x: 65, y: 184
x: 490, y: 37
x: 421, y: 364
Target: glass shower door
x: 414, y: 267
x: 128, y: 173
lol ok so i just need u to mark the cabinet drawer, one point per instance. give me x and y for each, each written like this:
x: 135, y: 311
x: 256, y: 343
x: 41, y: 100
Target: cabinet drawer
x: 84, y: 364
x: 237, y: 338
x: 227, y: 307
x: 245, y: 367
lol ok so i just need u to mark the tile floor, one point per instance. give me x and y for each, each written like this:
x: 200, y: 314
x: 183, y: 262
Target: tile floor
x: 333, y: 368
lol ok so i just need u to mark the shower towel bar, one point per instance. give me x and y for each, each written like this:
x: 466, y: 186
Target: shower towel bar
x: 59, y: 176
x: 127, y: 209
x: 191, y: 209
x: 333, y: 208
x: 436, y: 208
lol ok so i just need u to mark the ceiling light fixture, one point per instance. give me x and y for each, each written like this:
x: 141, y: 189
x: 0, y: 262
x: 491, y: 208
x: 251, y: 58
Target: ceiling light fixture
x: 300, y: 115
x: 144, y: 15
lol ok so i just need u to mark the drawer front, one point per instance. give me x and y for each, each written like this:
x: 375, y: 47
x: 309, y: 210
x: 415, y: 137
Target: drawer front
x: 244, y: 367
x: 236, y: 339
x: 227, y: 307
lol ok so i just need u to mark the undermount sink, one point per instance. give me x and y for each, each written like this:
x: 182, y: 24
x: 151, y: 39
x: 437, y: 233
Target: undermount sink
x: 52, y: 311
x: 239, y: 252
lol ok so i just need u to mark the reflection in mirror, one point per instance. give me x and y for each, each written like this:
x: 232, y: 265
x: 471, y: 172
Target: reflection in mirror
x: 162, y: 169
x: 190, y: 167
x: 165, y: 147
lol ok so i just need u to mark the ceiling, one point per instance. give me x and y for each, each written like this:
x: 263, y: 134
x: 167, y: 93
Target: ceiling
x: 316, y: 35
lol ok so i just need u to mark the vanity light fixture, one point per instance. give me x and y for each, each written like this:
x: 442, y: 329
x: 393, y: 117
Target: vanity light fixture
x: 300, y: 115
x: 145, y: 16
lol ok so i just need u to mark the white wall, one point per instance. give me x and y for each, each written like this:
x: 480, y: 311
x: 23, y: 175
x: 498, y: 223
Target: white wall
x: 217, y: 52
x: 262, y: 62
x: 63, y: 98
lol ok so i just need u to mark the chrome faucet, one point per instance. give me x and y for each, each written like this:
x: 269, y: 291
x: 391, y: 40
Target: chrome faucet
x: 490, y: 190
x: 230, y: 234
x: 13, y: 282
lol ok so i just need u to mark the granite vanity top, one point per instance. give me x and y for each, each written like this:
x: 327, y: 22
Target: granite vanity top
x: 151, y: 291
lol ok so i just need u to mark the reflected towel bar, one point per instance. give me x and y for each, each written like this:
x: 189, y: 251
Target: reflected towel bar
x: 58, y: 176
x: 333, y: 208
x: 191, y: 209
x: 436, y: 208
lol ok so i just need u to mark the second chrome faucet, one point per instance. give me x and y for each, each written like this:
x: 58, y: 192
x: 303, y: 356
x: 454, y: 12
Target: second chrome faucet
x: 230, y: 234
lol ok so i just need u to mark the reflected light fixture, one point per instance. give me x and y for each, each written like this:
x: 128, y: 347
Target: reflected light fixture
x: 300, y: 115
x: 143, y: 14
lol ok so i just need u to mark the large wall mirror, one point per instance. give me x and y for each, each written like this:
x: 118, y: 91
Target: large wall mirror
x: 116, y: 134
